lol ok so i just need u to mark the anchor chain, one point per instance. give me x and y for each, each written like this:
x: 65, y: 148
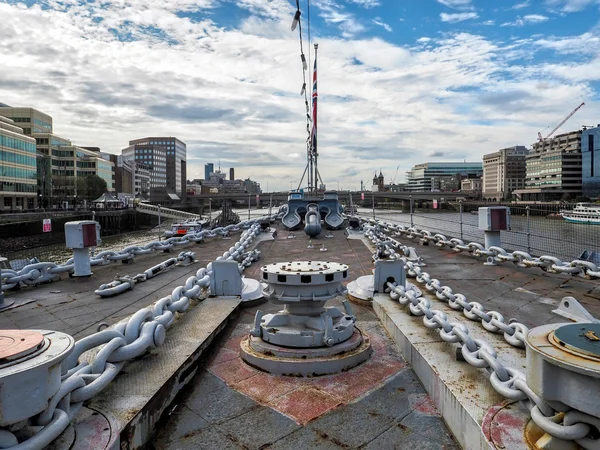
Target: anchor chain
x: 42, y: 272
x: 568, y: 424
x: 514, y: 332
x: 83, y: 378
x: 551, y: 264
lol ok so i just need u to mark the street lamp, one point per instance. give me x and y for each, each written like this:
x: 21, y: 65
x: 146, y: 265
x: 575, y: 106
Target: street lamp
x: 209, y: 209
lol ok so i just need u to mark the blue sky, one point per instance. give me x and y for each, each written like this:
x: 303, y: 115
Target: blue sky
x: 400, y: 82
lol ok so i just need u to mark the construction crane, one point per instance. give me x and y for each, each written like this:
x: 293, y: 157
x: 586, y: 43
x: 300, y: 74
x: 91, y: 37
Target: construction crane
x: 542, y: 139
x: 396, y: 174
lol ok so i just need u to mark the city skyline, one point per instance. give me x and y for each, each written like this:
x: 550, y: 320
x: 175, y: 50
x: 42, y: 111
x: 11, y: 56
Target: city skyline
x: 433, y: 82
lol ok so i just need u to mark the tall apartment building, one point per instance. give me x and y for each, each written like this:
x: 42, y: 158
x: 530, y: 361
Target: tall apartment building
x: 433, y: 176
x: 553, y: 169
x: 18, y: 168
x: 231, y: 174
x: 503, y: 172
x: 208, y: 169
x: 152, y: 156
x: 175, y: 158
x: 590, y: 162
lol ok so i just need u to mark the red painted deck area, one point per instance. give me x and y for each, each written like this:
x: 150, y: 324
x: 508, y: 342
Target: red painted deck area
x: 304, y: 399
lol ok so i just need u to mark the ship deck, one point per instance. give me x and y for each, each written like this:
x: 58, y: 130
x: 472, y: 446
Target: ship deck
x: 379, y: 404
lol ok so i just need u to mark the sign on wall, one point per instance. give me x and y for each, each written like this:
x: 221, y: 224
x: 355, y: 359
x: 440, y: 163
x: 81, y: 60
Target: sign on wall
x: 47, y: 225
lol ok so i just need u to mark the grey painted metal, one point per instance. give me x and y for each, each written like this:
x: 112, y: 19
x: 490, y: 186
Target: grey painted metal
x: 306, y: 362
x: 312, y: 220
x: 570, y: 308
x: 507, y: 381
x: 28, y: 383
x: 304, y: 287
x: 109, y: 349
x: 585, y: 269
x: 563, y: 365
x: 225, y: 279
x: 328, y: 207
x: 126, y: 283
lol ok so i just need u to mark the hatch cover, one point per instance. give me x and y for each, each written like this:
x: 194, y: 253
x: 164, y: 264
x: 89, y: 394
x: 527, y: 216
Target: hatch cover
x: 15, y: 344
x: 579, y: 338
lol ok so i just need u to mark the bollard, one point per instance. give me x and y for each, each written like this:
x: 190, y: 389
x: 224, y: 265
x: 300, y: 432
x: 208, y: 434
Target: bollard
x: 80, y: 236
x: 3, y: 304
x: 492, y: 220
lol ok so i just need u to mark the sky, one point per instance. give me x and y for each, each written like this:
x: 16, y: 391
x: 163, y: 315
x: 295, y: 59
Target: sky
x: 401, y: 82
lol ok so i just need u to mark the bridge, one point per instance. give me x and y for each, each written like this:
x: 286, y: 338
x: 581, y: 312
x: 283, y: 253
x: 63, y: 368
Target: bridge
x: 344, y: 196
x: 160, y: 211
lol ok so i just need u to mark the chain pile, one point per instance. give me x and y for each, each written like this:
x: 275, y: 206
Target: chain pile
x: 551, y: 264
x: 42, y: 272
x: 564, y: 423
x: 108, y: 350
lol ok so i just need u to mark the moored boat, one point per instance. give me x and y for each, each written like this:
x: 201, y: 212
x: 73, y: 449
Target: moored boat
x: 183, y: 228
x: 586, y: 213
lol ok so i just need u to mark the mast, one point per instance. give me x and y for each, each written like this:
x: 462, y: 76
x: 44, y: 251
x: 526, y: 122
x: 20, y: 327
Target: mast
x: 313, y: 135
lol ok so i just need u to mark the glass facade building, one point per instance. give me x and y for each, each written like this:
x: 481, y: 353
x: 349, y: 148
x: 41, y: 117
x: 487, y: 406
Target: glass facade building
x: 442, y: 176
x: 208, y: 169
x: 553, y: 169
x: 18, y: 168
x: 590, y: 162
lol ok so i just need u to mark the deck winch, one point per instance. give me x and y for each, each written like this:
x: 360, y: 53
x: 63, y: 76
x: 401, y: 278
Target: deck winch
x: 30, y: 371
x: 305, y: 338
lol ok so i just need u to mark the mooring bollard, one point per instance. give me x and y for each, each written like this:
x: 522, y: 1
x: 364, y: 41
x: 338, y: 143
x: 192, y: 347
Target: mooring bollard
x: 80, y: 236
x: 492, y: 220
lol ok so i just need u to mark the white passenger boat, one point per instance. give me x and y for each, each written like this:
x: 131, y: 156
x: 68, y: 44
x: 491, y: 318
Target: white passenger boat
x: 588, y: 213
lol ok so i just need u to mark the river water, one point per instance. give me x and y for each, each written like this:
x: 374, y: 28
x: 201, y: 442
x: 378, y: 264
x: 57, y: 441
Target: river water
x: 59, y: 254
x: 545, y: 237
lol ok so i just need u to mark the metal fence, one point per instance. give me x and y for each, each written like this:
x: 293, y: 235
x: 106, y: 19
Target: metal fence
x: 58, y: 253
x: 534, y: 229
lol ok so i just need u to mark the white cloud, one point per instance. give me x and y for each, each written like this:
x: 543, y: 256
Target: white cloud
x: 126, y: 72
x: 525, y: 20
x: 522, y: 5
x: 572, y: 5
x: 458, y: 17
x: 335, y: 13
x: 366, y: 3
x: 378, y: 21
x: 489, y: 22
x: 457, y: 4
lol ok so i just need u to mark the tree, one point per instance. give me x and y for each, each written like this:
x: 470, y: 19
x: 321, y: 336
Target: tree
x: 90, y: 187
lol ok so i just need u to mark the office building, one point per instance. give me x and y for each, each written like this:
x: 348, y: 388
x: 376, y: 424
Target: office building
x: 18, y: 168
x: 208, y: 169
x: 553, y: 169
x: 70, y: 162
x: 167, y: 158
x: 503, y: 172
x: 29, y: 119
x: 590, y: 162
x: 152, y: 156
x: 231, y: 174
x: 442, y: 176
x: 472, y: 187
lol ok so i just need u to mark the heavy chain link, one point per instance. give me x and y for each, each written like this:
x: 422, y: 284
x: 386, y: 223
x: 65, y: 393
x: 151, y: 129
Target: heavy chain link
x: 108, y: 350
x: 570, y: 425
x: 514, y: 332
x: 42, y: 272
x: 551, y: 264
